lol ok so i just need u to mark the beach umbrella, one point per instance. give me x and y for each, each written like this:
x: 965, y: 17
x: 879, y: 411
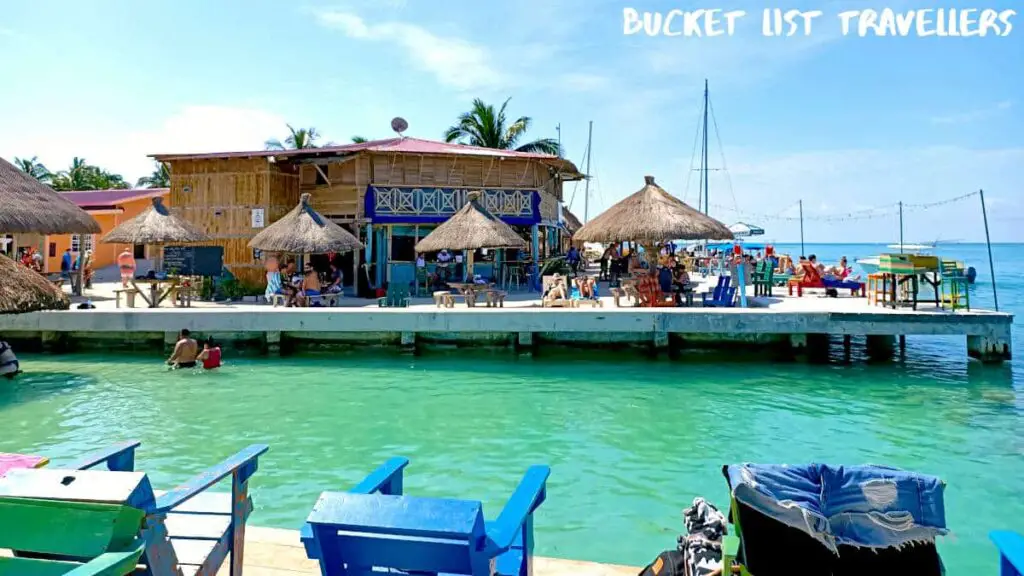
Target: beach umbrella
x: 742, y: 229
x: 25, y: 290
x: 28, y: 206
x: 155, y: 226
x: 471, y: 228
x: 305, y: 231
x: 649, y: 216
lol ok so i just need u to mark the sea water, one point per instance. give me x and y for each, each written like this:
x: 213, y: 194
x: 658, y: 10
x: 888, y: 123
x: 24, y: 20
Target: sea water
x: 630, y: 441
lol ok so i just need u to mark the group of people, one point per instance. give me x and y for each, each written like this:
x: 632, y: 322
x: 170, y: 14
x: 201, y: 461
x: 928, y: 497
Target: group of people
x: 841, y: 271
x: 586, y: 288
x: 618, y: 261
x: 298, y: 289
x: 187, y: 354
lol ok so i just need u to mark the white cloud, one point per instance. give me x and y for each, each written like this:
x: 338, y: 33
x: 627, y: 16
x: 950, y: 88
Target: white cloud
x: 192, y: 129
x: 455, y: 62
x: 976, y: 115
x: 583, y: 82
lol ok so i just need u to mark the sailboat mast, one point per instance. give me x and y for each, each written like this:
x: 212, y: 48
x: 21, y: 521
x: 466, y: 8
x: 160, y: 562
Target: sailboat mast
x: 586, y: 185
x: 704, y: 150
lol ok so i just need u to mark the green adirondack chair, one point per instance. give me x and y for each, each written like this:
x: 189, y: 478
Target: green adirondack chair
x: 397, y: 296
x: 71, y: 523
x: 954, y: 286
x: 421, y: 281
x: 764, y: 278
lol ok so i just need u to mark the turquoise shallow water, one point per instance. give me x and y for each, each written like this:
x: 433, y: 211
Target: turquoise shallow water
x: 630, y: 441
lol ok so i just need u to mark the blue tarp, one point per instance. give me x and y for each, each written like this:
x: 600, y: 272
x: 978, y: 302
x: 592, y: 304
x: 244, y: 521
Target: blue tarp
x: 868, y: 506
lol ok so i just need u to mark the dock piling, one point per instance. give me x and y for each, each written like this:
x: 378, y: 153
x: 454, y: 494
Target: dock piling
x: 408, y: 342
x: 992, y: 348
x: 273, y: 343
x: 524, y: 343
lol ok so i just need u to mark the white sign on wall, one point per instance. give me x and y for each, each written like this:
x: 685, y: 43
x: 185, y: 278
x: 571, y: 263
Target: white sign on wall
x: 257, y: 217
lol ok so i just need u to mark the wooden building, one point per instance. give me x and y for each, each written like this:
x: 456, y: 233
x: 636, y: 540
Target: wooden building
x: 389, y: 193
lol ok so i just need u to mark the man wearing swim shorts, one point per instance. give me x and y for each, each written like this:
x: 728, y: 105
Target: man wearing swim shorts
x: 185, y: 351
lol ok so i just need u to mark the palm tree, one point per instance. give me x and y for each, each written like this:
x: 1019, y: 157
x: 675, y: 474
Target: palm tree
x: 83, y: 176
x: 160, y: 178
x: 33, y: 168
x: 482, y: 126
x: 359, y: 140
x: 297, y: 140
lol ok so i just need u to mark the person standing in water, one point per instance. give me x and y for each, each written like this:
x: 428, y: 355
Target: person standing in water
x: 185, y: 351
x: 210, y: 356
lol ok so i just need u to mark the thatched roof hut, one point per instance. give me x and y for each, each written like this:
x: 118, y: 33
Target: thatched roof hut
x: 305, y: 231
x: 25, y: 290
x: 572, y: 223
x: 31, y: 207
x: 155, y: 225
x: 649, y: 216
x: 471, y: 228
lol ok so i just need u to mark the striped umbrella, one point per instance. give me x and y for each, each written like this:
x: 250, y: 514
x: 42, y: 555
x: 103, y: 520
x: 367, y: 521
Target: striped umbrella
x: 742, y: 229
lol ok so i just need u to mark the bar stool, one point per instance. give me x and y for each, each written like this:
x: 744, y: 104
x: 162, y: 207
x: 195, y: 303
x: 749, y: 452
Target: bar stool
x: 876, y: 288
x: 513, y: 275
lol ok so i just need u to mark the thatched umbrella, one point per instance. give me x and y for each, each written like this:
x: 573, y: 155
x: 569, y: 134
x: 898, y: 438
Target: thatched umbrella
x: 305, y: 231
x: 649, y: 216
x: 155, y: 226
x: 471, y: 228
x: 28, y: 206
x: 25, y: 290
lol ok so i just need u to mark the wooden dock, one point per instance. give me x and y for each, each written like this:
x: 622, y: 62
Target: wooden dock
x: 522, y: 325
x: 277, y: 552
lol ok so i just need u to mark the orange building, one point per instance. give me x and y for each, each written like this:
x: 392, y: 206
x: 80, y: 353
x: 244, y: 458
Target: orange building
x: 109, y: 208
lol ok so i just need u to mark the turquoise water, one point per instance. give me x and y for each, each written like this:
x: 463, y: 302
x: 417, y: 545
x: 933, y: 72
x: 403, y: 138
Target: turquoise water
x: 630, y: 441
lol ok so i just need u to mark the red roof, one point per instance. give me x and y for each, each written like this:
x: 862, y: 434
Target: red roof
x: 83, y: 198
x: 405, y: 144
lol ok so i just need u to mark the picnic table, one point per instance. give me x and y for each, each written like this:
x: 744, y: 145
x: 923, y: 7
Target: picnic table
x: 472, y: 291
x: 158, y: 290
x: 9, y: 461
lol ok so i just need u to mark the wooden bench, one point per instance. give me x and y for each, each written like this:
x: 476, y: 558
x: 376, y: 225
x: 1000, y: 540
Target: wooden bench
x: 495, y: 298
x: 129, y: 297
x: 330, y: 299
x: 624, y: 292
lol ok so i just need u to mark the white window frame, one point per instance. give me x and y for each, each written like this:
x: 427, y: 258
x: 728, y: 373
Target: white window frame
x: 76, y: 242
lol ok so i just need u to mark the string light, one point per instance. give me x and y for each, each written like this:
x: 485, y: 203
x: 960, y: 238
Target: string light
x: 884, y: 211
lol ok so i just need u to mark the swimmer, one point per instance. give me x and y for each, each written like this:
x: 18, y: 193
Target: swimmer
x: 210, y: 356
x: 185, y: 351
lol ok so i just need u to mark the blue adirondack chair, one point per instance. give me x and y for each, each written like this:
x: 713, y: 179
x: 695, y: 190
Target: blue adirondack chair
x: 188, y: 527
x: 1011, y: 552
x: 720, y: 294
x: 374, y: 526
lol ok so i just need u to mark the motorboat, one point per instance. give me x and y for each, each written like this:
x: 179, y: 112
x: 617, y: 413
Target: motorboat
x: 870, y: 265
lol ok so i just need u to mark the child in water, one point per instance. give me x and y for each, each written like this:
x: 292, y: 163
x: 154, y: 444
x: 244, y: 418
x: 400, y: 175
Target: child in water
x: 210, y: 356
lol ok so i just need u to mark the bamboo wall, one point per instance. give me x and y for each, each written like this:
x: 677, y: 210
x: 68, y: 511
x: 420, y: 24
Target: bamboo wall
x: 223, y: 193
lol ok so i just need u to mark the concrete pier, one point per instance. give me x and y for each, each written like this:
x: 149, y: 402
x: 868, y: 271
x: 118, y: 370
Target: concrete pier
x: 523, y: 329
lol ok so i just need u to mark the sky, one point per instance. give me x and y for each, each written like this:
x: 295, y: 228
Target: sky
x: 845, y: 124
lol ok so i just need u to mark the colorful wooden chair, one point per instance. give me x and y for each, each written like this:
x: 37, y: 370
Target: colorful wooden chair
x: 78, y: 524
x: 374, y: 527
x: 188, y: 528
x: 397, y: 296
x: 955, y: 289
x: 1011, y: 552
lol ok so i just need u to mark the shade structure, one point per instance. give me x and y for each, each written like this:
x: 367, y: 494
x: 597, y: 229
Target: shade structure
x: 471, y: 228
x: 30, y: 207
x: 305, y: 231
x: 572, y: 223
x: 25, y: 290
x: 744, y: 230
x: 649, y: 216
x: 155, y: 225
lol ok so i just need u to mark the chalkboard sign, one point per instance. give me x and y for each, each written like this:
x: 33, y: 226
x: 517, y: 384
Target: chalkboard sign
x: 194, y: 260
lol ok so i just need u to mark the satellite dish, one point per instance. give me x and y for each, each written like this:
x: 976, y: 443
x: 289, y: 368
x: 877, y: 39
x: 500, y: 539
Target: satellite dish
x: 398, y: 124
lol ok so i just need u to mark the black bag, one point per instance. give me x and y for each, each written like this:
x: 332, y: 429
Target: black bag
x: 668, y: 563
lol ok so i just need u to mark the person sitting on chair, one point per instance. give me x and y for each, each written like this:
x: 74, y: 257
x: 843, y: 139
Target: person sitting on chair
x: 310, y: 285
x: 557, y: 290
x: 337, y: 280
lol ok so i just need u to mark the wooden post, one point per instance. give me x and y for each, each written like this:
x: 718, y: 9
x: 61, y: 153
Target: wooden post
x: 988, y: 244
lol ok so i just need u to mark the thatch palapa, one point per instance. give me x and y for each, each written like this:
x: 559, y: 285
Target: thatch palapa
x: 572, y: 223
x: 305, y: 231
x: 25, y: 290
x: 156, y: 225
x: 31, y: 207
x: 649, y: 216
x: 471, y: 228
